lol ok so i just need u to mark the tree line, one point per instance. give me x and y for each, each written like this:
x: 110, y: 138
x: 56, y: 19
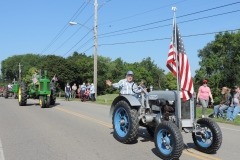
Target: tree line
x: 219, y: 63
x: 78, y: 68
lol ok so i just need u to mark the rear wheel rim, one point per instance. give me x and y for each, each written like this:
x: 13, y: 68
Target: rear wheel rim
x: 121, y: 122
x: 19, y: 95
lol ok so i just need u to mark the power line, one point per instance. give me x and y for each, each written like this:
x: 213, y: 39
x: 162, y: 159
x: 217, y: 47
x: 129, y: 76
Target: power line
x: 170, y: 18
x: 78, y: 30
x: 142, y: 13
x: 192, y: 35
x: 168, y: 12
x: 88, y: 41
x: 78, y: 42
x: 64, y: 28
x: 88, y: 49
x: 171, y: 24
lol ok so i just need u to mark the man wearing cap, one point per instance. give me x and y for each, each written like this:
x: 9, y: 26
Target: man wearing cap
x: 126, y: 86
x: 234, y: 108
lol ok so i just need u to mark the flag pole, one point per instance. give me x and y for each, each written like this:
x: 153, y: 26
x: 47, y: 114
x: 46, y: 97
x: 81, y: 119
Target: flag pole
x: 177, y: 70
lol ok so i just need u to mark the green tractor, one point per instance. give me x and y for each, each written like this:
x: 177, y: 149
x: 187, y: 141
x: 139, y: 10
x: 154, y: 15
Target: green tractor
x: 11, y: 91
x: 43, y: 89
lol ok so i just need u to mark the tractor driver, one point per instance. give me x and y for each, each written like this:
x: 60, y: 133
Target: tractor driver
x: 125, y: 85
x: 35, y: 77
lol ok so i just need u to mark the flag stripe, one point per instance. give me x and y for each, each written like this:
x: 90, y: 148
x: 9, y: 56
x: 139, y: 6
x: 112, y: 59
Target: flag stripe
x: 184, y: 71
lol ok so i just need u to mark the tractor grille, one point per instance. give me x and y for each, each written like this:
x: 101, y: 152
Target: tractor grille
x: 41, y: 86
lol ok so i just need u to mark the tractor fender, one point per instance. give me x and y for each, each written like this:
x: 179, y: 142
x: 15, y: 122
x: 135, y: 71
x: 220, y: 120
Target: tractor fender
x: 131, y: 100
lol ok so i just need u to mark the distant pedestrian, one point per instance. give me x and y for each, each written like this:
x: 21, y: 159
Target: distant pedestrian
x: 92, y: 93
x: 204, y: 92
x: 74, y: 89
x: 79, y: 91
x: 83, y: 88
x: 89, y: 87
x: 67, y: 91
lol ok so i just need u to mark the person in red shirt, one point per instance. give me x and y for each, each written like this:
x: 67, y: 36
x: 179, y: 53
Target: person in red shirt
x: 204, y: 92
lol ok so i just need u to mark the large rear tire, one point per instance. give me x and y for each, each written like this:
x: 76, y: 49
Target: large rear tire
x: 5, y: 92
x: 53, y: 93
x: 125, y: 122
x: 168, y: 141
x: 22, y: 94
x: 211, y: 139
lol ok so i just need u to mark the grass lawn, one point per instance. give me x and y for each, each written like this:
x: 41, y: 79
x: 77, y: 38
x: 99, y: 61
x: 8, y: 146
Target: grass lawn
x: 108, y: 98
x: 210, y: 110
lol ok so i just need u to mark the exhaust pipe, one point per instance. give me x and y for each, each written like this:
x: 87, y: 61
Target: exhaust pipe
x: 147, y: 118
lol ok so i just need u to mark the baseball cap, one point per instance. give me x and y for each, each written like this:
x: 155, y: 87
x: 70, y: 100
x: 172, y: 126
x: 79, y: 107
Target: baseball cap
x: 205, y: 81
x: 130, y: 73
x: 235, y: 87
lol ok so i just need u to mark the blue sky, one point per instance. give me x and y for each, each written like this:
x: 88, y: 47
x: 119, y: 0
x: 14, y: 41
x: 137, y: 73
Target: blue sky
x: 29, y: 26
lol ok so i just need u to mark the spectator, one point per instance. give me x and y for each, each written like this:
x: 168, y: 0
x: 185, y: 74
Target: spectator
x: 83, y: 88
x: 234, y: 108
x: 10, y: 86
x: 79, y: 91
x: 67, y: 91
x: 92, y: 93
x: 89, y: 87
x: 224, y: 104
x: 204, y: 92
x: 143, y: 86
x: 86, y: 95
x: 74, y: 89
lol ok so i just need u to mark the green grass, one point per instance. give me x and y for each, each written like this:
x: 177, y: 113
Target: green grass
x: 106, y: 99
x: 103, y: 99
x: 210, y: 110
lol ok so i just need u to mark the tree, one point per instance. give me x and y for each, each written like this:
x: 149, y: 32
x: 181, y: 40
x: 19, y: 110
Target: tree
x: 170, y: 81
x: 220, y: 62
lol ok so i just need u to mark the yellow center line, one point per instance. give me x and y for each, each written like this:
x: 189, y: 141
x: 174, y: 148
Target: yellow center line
x: 190, y: 152
x: 193, y: 151
x: 85, y: 117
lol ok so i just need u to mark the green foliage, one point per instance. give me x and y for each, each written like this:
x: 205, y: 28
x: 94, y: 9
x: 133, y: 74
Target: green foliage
x: 170, y: 81
x: 78, y: 68
x: 220, y: 63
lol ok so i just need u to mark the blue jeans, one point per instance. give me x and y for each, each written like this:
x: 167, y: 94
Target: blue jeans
x: 220, y: 110
x: 232, y: 112
x: 67, y: 95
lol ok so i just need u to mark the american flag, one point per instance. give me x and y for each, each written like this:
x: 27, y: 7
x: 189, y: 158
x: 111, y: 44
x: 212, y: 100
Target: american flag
x: 185, y: 77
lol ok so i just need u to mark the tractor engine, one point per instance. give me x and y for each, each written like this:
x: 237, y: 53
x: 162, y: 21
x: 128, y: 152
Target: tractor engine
x: 164, y: 109
x: 167, y: 109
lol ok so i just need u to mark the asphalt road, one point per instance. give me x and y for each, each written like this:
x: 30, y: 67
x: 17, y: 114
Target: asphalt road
x: 75, y: 130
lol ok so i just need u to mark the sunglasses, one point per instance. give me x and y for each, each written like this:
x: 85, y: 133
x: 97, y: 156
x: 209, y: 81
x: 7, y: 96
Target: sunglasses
x: 204, y: 83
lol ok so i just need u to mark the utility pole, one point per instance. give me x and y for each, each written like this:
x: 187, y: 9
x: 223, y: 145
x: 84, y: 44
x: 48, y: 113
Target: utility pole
x: 20, y: 71
x: 95, y: 45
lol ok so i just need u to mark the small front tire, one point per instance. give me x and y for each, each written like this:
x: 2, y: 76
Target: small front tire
x: 168, y: 141
x: 211, y: 139
x: 42, y: 102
